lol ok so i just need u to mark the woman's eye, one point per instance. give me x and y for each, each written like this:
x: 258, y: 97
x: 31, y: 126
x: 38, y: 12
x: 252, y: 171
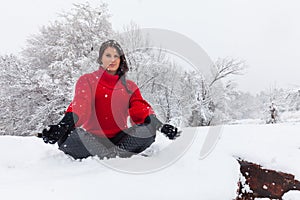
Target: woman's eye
x: 108, y: 55
x: 116, y: 56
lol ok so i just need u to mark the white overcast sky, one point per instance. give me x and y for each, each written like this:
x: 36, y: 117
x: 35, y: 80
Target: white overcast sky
x: 264, y: 33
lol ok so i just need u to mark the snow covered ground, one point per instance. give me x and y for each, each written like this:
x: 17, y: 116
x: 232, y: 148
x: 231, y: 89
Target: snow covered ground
x: 30, y: 169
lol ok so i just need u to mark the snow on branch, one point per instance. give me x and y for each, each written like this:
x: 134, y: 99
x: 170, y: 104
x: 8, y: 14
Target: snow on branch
x: 225, y: 67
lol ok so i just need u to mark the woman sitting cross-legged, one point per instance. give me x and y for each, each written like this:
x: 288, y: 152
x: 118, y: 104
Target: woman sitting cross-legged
x: 95, y: 123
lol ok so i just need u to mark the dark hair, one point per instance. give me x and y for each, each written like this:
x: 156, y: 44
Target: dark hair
x: 123, y: 68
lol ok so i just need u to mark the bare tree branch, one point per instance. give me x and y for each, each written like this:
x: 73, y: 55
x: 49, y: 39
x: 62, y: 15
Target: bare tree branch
x: 226, y: 67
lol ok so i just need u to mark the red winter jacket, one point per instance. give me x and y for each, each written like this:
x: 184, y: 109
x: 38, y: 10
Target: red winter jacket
x: 103, y: 105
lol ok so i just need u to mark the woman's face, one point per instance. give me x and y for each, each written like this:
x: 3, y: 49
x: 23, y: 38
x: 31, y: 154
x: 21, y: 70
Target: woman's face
x: 110, y: 60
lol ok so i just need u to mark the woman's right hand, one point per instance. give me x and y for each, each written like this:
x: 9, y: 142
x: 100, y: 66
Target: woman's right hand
x: 54, y: 133
x: 65, y: 126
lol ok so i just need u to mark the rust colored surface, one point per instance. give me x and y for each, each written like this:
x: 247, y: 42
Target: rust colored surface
x: 264, y: 183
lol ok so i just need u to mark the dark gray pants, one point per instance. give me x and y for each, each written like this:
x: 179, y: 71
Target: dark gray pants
x: 81, y: 144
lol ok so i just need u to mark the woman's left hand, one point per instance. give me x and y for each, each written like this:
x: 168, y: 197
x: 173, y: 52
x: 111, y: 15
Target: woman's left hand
x: 170, y: 131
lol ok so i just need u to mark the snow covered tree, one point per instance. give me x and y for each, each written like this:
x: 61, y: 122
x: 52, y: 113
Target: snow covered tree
x: 224, y: 69
x: 293, y: 99
x: 74, y: 36
x: 19, y: 95
x: 199, y: 101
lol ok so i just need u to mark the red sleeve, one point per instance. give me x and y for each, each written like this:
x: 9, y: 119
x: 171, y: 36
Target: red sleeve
x: 81, y: 104
x: 139, y: 109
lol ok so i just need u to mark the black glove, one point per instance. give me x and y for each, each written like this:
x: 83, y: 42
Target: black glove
x: 170, y: 131
x: 62, y: 129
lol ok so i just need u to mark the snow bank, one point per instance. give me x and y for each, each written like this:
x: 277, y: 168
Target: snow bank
x: 30, y: 169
